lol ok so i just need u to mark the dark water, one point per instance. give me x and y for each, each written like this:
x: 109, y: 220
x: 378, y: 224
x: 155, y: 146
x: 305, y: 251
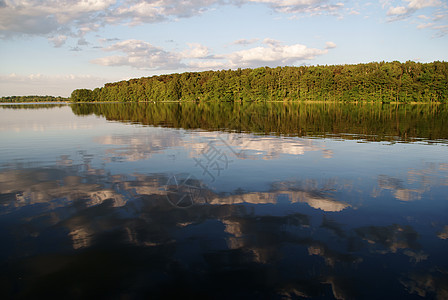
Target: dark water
x: 223, y: 201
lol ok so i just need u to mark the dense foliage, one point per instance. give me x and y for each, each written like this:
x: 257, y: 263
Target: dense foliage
x: 81, y: 95
x: 20, y: 99
x: 373, y: 82
x: 373, y: 122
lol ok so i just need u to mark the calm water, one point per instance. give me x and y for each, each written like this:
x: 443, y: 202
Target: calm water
x: 271, y: 201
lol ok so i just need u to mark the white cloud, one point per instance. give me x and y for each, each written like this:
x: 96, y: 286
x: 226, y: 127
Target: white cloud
x: 58, y: 41
x: 442, y: 30
x: 413, y: 6
x: 330, y: 45
x: 140, y: 12
x: 271, y: 42
x: 273, y: 55
x: 426, y: 25
x: 196, y: 51
x: 48, y: 16
x: 302, y: 6
x: 245, y: 42
x: 418, y: 4
x: 436, y: 12
x: 399, y: 10
x: 75, y: 18
x: 143, y: 55
x: 441, y: 16
x: 137, y: 12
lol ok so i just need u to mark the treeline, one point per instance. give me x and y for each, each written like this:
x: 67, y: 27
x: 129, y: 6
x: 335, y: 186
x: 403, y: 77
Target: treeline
x: 372, y: 122
x: 372, y: 82
x: 20, y: 99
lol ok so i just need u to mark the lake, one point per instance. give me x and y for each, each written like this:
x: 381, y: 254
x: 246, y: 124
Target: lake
x: 224, y: 201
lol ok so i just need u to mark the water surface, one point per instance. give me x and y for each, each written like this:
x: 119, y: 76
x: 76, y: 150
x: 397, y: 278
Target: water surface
x: 222, y: 201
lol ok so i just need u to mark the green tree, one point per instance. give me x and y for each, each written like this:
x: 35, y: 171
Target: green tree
x: 82, y: 95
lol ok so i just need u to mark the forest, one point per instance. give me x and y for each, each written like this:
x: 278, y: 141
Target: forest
x: 22, y: 99
x: 370, y: 122
x: 382, y: 82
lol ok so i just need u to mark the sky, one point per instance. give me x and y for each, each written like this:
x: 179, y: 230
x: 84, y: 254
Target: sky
x: 51, y: 47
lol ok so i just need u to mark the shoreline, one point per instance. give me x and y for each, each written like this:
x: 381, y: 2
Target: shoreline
x: 268, y: 101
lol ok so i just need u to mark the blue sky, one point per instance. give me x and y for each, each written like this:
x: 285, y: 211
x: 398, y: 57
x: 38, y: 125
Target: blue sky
x: 51, y: 47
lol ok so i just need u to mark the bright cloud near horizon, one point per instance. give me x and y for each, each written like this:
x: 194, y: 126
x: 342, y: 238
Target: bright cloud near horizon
x: 51, y: 47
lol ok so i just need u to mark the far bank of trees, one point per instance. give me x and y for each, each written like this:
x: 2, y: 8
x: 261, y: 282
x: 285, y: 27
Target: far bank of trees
x: 372, y: 82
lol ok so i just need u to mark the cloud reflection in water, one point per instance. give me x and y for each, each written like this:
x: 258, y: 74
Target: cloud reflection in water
x: 122, y: 218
